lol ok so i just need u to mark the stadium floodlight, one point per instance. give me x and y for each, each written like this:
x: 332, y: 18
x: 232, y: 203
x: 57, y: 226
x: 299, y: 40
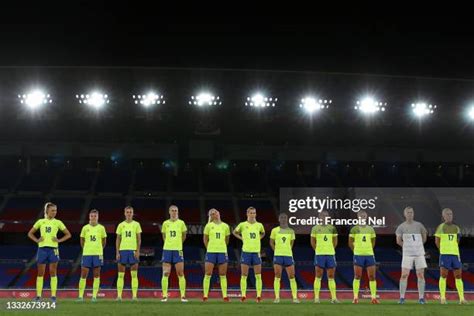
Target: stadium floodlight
x: 311, y: 105
x: 205, y: 99
x: 94, y: 99
x: 370, y: 106
x: 35, y: 99
x: 149, y: 99
x: 422, y: 109
x: 260, y: 100
x: 470, y: 113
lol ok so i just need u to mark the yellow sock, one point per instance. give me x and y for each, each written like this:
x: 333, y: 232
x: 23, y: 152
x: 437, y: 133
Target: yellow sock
x: 164, y: 286
x: 182, y: 286
x: 206, y: 283
x: 39, y: 286
x: 95, y: 287
x: 373, y: 288
x: 120, y: 278
x: 294, y: 288
x: 223, y: 280
x: 258, y: 284
x: 54, y: 285
x: 332, y: 288
x: 276, y: 287
x: 442, y: 287
x: 134, y: 275
x: 82, y: 287
x: 355, y: 287
x: 243, y: 286
x: 317, y: 287
x: 460, y: 288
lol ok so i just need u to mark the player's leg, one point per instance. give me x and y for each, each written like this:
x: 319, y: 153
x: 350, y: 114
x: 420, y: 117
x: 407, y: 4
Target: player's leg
x: 39, y: 279
x: 206, y: 283
x: 181, y: 279
x: 223, y: 279
x: 257, y: 269
x: 290, y: 271
x: 134, y: 280
x: 277, y: 269
x: 420, y: 266
x: 371, y: 273
x: 244, y: 272
x: 83, y: 280
x: 356, y: 282
x: 53, y: 269
x: 459, y: 285
x: 443, y: 275
x: 96, y: 284
x: 120, y: 279
x: 404, y: 280
x: 166, y: 269
x: 331, y: 272
x: 318, y: 275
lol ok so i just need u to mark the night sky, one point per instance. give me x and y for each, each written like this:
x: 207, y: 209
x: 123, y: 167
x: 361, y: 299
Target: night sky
x: 410, y: 46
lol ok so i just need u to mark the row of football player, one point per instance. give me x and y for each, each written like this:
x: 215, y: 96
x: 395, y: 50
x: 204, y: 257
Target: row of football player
x: 411, y: 236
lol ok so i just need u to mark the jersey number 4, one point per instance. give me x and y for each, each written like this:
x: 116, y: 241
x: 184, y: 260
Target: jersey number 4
x: 128, y: 234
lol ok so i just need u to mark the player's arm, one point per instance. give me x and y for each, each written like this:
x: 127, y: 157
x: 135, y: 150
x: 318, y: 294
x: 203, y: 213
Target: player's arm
x: 312, y: 239
x: 351, y: 243
x: 66, y: 236
x: 205, y: 239
x: 118, y: 240
x: 400, y: 240
x: 334, y: 241
x: 183, y: 236
x: 272, y: 243
x: 31, y: 235
x: 437, y: 241
x: 237, y: 234
x: 139, y: 244
x: 82, y: 241
x: 227, y: 238
x: 373, y: 242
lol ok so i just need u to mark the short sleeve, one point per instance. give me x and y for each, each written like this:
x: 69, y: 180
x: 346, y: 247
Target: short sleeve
x: 83, y: 232
x: 38, y: 223
x: 206, y: 229
x: 104, y: 232
x: 183, y: 227
x: 118, y: 231
x: 334, y: 231
x: 239, y: 228
x: 293, y: 237
x: 313, y: 231
x: 373, y: 234
x: 61, y: 225
x: 262, y: 229
x: 164, y: 227
x: 273, y: 234
x: 439, y: 230
x: 399, y: 232
x: 139, y: 228
x: 353, y: 232
x: 227, y: 230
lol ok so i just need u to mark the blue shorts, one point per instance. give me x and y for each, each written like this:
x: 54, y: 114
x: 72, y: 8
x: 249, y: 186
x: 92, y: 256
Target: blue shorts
x: 250, y: 258
x: 216, y: 258
x: 364, y: 261
x: 172, y: 256
x: 284, y: 261
x: 325, y: 261
x: 450, y: 262
x: 47, y: 255
x: 92, y: 261
x: 127, y: 257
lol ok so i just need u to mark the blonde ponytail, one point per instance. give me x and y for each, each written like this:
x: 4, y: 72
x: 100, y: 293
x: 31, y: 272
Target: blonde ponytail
x: 47, y: 206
